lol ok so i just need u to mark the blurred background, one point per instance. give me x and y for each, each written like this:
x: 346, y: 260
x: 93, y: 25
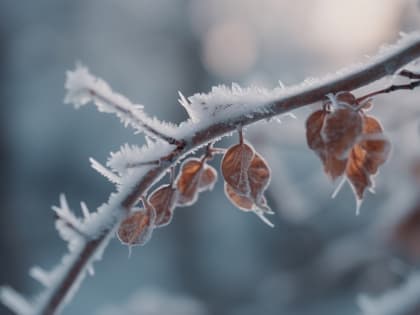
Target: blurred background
x: 213, y: 258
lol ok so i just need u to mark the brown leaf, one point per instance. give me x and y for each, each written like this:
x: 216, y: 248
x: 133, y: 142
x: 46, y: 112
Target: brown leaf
x: 163, y: 200
x: 242, y: 202
x: 333, y: 166
x: 259, y: 177
x: 356, y: 173
x: 341, y: 130
x: 188, y: 181
x: 347, y: 97
x: 195, y: 176
x: 208, y: 178
x: 314, y: 125
x: 235, y: 165
x: 137, y: 228
x: 377, y: 148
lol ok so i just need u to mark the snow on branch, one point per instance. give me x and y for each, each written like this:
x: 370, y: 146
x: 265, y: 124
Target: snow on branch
x: 104, y: 171
x: 236, y: 105
x: 403, y: 300
x: 213, y: 115
x: 82, y: 88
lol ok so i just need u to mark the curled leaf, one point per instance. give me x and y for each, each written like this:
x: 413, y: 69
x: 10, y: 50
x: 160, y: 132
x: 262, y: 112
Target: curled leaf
x: 235, y: 164
x: 376, y: 145
x: 242, y: 202
x: 333, y: 166
x: 314, y: 125
x: 347, y: 98
x: 195, y: 176
x: 137, y: 228
x: 208, y: 178
x: 163, y: 200
x: 356, y: 173
x: 341, y: 131
x: 259, y: 177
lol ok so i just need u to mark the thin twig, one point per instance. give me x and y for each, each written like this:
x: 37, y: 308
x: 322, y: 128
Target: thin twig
x: 409, y: 74
x: 139, y: 164
x: 392, y: 88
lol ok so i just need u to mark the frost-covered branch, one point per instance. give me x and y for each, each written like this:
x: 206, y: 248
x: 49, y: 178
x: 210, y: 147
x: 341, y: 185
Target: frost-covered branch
x: 82, y: 88
x: 212, y: 116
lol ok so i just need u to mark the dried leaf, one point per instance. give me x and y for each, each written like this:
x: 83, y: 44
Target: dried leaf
x: 188, y: 181
x: 347, y: 97
x: 314, y: 125
x: 333, y: 166
x: 356, y: 173
x: 195, y: 176
x: 137, y: 228
x: 259, y: 177
x: 163, y: 200
x: 242, y: 202
x: 235, y: 165
x: 208, y: 178
x: 376, y: 146
x: 341, y: 131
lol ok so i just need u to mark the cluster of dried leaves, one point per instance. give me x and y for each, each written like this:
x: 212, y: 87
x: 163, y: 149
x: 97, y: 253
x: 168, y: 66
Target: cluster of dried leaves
x: 246, y: 177
x: 348, y: 141
x: 194, y: 177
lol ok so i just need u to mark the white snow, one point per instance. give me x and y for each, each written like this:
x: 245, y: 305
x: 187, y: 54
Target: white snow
x: 82, y: 88
x: 14, y: 301
x: 108, y: 174
x: 131, y: 157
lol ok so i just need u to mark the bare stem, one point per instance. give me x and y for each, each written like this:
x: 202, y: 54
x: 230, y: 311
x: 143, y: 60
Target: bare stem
x: 409, y: 74
x: 357, y: 78
x: 392, y: 88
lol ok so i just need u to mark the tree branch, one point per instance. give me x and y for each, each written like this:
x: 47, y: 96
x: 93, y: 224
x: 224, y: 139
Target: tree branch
x: 120, y: 203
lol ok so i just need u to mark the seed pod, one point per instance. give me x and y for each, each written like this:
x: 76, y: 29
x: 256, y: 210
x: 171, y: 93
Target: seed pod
x: 163, y: 200
x: 137, y: 228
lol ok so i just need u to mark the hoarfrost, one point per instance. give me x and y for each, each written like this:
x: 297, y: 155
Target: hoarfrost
x: 82, y: 88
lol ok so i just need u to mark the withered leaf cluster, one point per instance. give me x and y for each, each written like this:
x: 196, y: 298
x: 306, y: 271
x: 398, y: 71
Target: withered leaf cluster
x: 348, y: 141
x: 194, y: 177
